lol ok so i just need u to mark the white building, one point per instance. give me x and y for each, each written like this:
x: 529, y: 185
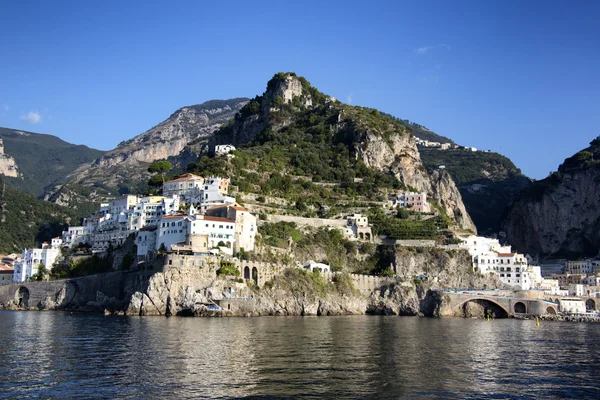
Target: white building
x: 315, y: 266
x: 488, y: 256
x: 73, y: 236
x: 123, y: 204
x: 359, y: 228
x: 186, y: 186
x: 223, y: 149
x: 217, y: 232
x: 572, y: 305
x: 213, y: 193
x: 245, y: 224
x: 146, y: 242
x: 33, y: 258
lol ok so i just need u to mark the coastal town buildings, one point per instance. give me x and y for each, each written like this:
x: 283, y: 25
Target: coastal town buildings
x: 489, y: 256
x: 73, y: 236
x: 32, y: 259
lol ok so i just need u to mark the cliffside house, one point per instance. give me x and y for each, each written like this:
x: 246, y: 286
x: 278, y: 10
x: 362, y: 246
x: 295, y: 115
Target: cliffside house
x: 245, y: 224
x: 187, y: 186
x: 359, y: 227
x: 224, y: 149
x: 415, y: 201
x: 31, y: 260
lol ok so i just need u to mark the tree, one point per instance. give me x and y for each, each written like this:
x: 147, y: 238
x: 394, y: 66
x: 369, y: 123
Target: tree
x: 41, y: 274
x: 160, y: 167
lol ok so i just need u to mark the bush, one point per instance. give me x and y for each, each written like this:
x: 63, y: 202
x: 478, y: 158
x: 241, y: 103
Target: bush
x: 228, y: 269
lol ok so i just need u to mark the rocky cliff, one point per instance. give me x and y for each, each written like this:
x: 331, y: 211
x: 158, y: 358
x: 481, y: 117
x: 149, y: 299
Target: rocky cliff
x: 8, y: 166
x: 488, y: 182
x: 126, y: 165
x: 559, y: 215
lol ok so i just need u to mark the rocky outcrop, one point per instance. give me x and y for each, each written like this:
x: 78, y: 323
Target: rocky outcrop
x: 8, y: 166
x: 128, y: 162
x: 399, y: 154
x: 564, y: 218
x: 559, y: 216
x: 447, y: 194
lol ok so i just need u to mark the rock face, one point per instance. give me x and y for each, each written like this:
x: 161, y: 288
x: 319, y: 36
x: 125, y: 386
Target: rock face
x: 8, y: 166
x: 560, y: 215
x: 128, y: 162
x: 445, y: 191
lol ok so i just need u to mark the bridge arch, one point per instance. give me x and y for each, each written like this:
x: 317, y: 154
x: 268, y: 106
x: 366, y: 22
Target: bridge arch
x: 590, y: 305
x: 520, y: 308
x: 551, y: 310
x: 482, y: 308
x: 22, y: 297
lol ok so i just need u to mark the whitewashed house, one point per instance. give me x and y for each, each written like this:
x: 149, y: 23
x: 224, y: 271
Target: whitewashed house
x: 31, y: 259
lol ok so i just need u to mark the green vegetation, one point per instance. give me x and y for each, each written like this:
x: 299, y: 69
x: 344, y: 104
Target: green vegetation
x: 160, y: 168
x: 228, y: 269
x: 278, y: 234
x: 87, y: 266
x: 43, y: 160
x: 25, y: 222
x: 312, y: 159
x: 401, y: 228
x: 467, y: 166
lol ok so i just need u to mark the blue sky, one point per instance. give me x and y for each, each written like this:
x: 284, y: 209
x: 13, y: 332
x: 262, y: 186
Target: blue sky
x: 511, y: 76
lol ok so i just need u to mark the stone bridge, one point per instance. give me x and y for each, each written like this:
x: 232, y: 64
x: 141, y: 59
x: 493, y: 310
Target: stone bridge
x: 480, y: 303
x: 64, y: 293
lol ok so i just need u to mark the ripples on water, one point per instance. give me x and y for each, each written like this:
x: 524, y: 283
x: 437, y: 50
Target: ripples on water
x: 59, y: 355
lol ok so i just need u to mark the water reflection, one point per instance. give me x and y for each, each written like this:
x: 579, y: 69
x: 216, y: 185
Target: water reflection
x: 60, y: 355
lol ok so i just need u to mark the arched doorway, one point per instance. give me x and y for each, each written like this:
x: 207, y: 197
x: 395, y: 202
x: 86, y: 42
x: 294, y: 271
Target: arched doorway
x: 590, y: 305
x: 255, y: 275
x: 481, y: 308
x: 22, y: 297
x: 550, y: 310
x: 247, y: 273
x: 520, y: 308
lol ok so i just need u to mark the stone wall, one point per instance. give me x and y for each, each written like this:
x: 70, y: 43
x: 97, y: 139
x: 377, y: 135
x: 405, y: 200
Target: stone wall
x: 311, y: 222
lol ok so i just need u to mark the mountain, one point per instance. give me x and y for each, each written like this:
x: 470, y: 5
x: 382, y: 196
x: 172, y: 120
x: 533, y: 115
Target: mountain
x: 298, y: 143
x: 31, y: 161
x: 26, y: 221
x: 124, y: 169
x: 487, y: 181
x: 560, y: 216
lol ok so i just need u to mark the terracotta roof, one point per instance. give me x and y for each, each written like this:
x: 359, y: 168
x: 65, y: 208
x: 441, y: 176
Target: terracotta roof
x: 506, y: 254
x: 185, y: 177
x: 217, y: 219
x: 175, y: 216
x: 5, y: 269
x: 235, y: 207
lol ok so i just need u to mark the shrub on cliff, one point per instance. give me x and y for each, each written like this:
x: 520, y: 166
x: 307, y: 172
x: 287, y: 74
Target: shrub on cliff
x: 228, y: 269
